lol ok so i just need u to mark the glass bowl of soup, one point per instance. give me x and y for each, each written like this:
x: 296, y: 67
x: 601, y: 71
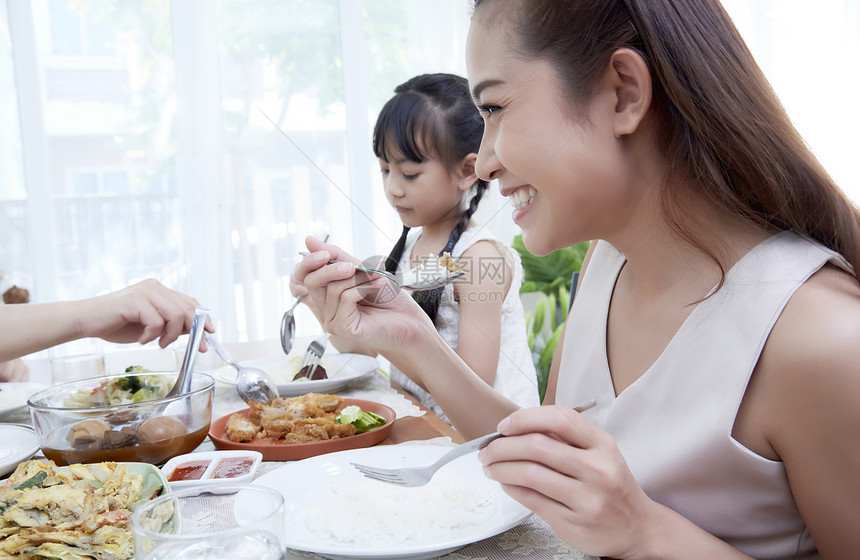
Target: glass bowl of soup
x: 123, y: 417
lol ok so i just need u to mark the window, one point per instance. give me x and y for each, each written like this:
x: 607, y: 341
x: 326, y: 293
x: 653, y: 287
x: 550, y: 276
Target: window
x: 204, y: 157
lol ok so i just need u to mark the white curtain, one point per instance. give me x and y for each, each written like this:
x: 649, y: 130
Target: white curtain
x: 809, y: 52
x: 199, y: 141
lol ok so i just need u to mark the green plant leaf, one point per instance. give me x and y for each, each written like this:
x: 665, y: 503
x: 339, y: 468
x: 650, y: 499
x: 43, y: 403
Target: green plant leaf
x: 545, y: 274
x: 539, y: 317
x: 543, y: 364
x: 564, y: 302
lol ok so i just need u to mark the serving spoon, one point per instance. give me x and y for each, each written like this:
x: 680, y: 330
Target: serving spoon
x: 252, y: 384
x: 182, y: 384
x: 195, y: 335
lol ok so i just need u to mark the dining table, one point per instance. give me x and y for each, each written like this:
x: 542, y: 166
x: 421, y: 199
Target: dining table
x: 533, y: 539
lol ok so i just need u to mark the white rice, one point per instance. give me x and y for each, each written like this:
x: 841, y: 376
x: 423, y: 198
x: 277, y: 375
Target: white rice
x: 369, y: 514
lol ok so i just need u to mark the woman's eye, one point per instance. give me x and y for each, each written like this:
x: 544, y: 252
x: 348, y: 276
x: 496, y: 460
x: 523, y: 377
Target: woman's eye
x: 383, y: 171
x: 409, y: 177
x: 488, y: 110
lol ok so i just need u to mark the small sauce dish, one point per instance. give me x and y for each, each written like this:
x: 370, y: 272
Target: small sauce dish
x: 211, y: 467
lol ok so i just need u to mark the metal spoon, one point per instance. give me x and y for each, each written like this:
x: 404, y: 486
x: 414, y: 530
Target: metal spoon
x: 252, y: 384
x: 182, y: 385
x: 195, y: 335
x: 288, y: 327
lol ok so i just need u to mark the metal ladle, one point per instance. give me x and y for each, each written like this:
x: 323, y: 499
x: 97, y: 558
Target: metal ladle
x: 182, y: 385
x: 252, y: 384
x: 195, y: 335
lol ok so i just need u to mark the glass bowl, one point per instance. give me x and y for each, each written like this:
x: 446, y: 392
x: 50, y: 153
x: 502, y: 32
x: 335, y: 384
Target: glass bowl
x: 121, y: 418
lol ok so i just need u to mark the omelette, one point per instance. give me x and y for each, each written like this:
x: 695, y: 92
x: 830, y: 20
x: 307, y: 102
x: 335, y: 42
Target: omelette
x: 79, y: 513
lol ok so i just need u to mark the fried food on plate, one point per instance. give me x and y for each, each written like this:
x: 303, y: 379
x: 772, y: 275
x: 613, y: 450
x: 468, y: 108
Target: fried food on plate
x: 310, y: 417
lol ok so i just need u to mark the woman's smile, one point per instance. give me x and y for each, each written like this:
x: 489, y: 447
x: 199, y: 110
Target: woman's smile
x: 522, y: 197
x: 521, y: 200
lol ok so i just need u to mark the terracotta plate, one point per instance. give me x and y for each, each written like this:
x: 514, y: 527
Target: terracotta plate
x: 274, y: 451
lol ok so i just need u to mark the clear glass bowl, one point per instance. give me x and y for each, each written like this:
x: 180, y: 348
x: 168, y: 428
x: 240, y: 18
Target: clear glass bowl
x: 72, y: 430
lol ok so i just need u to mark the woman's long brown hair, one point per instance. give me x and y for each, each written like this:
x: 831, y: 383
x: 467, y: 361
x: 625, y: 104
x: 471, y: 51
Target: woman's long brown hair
x: 723, y: 125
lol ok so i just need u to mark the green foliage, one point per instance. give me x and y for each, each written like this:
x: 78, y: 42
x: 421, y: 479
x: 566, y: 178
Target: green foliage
x: 546, y: 274
x: 550, y: 277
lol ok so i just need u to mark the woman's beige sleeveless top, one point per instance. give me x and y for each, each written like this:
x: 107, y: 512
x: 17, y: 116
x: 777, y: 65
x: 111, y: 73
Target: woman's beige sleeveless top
x: 674, y: 424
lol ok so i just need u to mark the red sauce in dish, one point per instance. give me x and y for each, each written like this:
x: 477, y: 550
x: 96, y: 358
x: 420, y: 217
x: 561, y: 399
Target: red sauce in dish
x: 233, y: 467
x: 188, y: 471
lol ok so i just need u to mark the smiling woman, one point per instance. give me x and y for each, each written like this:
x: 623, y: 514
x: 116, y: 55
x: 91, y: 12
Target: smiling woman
x: 721, y: 280
x: 125, y: 155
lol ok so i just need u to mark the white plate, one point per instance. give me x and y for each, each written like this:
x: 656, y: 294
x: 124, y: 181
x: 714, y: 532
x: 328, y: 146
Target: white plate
x: 19, y: 444
x: 342, y: 369
x: 15, y: 395
x: 304, y: 482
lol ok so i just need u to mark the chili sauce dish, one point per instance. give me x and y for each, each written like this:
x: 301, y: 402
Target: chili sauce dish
x: 211, y: 467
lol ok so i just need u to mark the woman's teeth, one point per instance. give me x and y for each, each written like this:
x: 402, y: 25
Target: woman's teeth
x: 523, y: 197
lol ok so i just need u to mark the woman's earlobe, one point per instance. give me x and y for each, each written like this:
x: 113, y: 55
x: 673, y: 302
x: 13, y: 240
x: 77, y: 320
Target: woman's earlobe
x: 631, y: 81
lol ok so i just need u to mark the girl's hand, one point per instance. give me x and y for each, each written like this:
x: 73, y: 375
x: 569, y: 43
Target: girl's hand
x: 143, y: 312
x: 358, y: 307
x: 572, y: 474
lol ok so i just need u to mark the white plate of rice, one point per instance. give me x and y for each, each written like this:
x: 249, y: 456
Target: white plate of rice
x: 342, y: 369
x: 335, y: 512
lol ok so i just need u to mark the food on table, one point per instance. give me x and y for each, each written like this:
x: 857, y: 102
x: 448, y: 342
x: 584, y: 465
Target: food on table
x: 233, y: 467
x: 93, y: 434
x: 192, y: 470
x: 77, y: 513
x: 363, y: 421
x: 366, y: 513
x: 319, y: 373
x: 104, y: 419
x: 310, y: 417
x: 230, y: 467
x: 208, y: 467
x: 160, y: 428
x: 88, y: 434
x: 122, y: 390
x: 289, y: 370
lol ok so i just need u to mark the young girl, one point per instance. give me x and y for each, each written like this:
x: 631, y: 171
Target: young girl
x: 426, y: 139
x: 717, y: 320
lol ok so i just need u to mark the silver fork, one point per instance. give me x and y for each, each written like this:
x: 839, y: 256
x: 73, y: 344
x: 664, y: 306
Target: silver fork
x: 314, y: 354
x: 419, y: 476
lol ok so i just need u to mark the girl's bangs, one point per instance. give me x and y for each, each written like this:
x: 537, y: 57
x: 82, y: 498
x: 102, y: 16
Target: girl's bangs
x: 405, y: 129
